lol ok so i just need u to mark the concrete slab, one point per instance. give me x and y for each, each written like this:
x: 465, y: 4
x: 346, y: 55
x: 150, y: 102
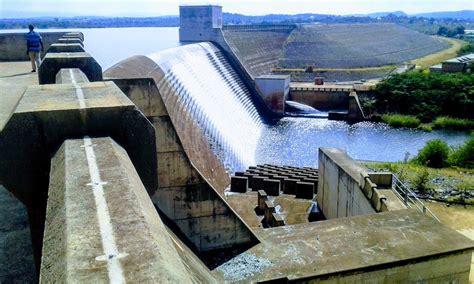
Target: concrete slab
x: 96, y: 204
x: 53, y: 62
x: 15, y: 77
x: 403, y: 243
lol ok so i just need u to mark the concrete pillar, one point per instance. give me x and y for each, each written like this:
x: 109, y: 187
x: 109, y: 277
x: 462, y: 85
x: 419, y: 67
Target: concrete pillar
x: 239, y: 184
x: 262, y: 198
x: 250, y: 178
x: 271, y: 187
x: 53, y: 62
x: 304, y: 190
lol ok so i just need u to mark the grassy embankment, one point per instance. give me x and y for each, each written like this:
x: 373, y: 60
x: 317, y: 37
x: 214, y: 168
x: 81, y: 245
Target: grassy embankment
x: 438, y: 57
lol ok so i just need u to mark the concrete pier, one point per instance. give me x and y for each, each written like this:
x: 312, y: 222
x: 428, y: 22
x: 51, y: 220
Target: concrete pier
x: 53, y: 62
x: 96, y: 205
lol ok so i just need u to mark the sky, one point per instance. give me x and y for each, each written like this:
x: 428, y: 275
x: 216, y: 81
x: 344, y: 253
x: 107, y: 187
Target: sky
x: 141, y: 8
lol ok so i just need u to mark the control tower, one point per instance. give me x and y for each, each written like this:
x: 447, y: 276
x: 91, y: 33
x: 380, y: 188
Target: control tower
x: 197, y: 23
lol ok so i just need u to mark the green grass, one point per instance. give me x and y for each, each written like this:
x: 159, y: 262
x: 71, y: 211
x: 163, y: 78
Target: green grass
x: 446, y: 122
x: 398, y: 120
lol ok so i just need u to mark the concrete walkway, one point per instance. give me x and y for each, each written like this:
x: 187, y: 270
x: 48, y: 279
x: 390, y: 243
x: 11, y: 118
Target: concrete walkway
x: 15, y: 77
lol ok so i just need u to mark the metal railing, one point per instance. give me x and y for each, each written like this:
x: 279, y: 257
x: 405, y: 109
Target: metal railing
x: 408, y: 197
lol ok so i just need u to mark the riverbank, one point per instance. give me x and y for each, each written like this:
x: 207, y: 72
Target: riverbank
x: 450, y: 185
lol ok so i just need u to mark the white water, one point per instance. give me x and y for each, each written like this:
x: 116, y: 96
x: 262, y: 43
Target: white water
x: 218, y: 100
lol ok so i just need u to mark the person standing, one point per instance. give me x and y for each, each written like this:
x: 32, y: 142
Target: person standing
x: 34, y: 46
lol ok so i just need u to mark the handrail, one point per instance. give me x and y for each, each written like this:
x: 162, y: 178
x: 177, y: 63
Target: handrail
x: 409, y: 198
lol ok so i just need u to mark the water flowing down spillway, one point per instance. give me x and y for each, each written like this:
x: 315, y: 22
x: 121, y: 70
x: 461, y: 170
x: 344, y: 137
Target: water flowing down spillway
x: 210, y: 90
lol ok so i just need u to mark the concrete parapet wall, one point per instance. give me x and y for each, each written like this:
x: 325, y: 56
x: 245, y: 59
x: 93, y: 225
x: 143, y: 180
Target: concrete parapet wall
x: 96, y: 205
x: 13, y: 45
x: 345, y: 188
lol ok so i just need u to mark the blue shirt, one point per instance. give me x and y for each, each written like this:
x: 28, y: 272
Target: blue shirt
x: 33, y: 41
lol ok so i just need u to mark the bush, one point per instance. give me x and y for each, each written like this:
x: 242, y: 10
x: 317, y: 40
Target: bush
x: 421, y: 181
x: 453, y: 123
x: 434, y: 154
x: 397, y: 120
x: 464, y: 156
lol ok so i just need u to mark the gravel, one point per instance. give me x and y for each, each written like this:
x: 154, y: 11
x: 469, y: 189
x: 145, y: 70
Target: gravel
x: 243, y: 266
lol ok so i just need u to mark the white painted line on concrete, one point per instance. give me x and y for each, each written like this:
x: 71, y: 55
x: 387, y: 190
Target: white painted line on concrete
x: 109, y: 246
x: 79, y: 93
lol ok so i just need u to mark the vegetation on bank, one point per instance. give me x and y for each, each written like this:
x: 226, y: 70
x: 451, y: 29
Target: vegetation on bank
x: 410, y: 99
x: 438, y: 171
x: 398, y: 120
x: 437, y: 154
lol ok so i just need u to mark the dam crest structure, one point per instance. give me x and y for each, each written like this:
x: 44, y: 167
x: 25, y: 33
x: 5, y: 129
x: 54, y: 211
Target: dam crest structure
x: 126, y: 176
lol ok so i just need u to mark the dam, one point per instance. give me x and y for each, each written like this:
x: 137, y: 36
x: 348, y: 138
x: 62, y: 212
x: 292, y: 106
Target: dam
x: 125, y: 176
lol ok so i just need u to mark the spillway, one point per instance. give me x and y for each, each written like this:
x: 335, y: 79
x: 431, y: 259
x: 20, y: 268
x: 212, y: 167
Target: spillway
x: 207, y: 101
x: 208, y: 88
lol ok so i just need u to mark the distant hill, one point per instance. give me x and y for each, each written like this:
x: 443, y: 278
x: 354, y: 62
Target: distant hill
x: 384, y: 14
x: 463, y: 15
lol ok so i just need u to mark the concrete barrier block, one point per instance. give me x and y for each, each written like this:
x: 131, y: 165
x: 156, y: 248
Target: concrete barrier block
x: 268, y: 211
x: 277, y: 220
x: 289, y: 186
x: 71, y: 75
x: 74, y: 35
x: 304, y: 190
x: 71, y: 40
x: 250, y: 178
x: 258, y: 183
x: 65, y: 47
x: 262, y: 198
x: 239, y: 184
x: 272, y: 187
x: 313, y: 181
x: 53, y: 62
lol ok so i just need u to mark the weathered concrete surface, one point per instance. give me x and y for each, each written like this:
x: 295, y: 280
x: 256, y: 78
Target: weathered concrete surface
x: 70, y: 40
x: 15, y: 77
x: 46, y: 116
x: 274, y: 90
x: 13, y: 45
x: 71, y: 75
x: 188, y: 179
x: 65, y: 47
x: 74, y: 35
x: 101, y: 225
x: 16, y: 253
x: 53, y: 62
x: 345, y: 188
x: 322, y: 99
x: 402, y: 246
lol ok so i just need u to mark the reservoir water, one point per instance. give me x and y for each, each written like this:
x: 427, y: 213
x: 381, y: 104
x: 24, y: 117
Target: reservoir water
x: 291, y: 141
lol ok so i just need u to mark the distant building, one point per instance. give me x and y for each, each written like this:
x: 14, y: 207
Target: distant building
x: 458, y: 64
